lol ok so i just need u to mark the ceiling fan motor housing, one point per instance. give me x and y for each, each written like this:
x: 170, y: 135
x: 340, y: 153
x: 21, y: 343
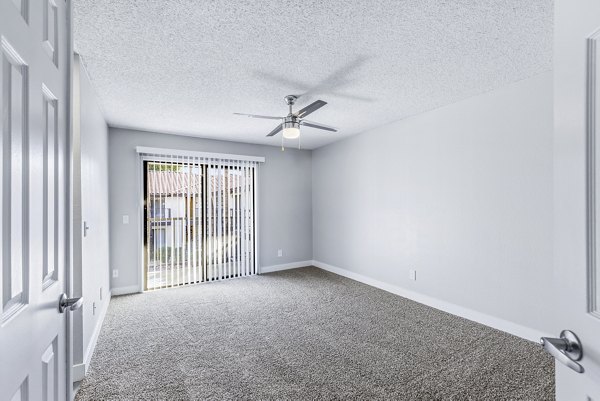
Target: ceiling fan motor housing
x: 291, y: 122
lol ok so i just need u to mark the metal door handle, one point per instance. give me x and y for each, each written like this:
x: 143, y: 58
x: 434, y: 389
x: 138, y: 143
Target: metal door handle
x: 566, y: 349
x: 71, y: 304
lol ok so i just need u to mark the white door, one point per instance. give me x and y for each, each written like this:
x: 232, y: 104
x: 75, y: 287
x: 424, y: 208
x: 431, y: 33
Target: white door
x: 577, y: 195
x: 34, y: 101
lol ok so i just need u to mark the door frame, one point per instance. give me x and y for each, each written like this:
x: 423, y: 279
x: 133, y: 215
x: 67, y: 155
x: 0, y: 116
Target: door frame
x: 69, y: 206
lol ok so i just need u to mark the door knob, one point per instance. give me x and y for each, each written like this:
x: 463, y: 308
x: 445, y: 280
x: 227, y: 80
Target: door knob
x: 71, y: 304
x: 566, y: 349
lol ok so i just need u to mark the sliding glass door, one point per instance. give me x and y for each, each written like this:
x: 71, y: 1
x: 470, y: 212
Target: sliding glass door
x: 199, y: 221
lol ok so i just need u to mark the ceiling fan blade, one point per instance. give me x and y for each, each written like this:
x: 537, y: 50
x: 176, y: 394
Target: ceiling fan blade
x: 311, y: 108
x: 318, y: 126
x: 275, y: 130
x: 258, y: 116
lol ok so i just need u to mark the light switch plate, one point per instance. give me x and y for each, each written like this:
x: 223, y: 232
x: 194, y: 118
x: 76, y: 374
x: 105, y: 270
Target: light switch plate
x: 125, y: 219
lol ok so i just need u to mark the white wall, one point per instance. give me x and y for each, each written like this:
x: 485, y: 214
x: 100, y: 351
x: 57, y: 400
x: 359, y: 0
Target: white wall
x: 285, y: 198
x: 91, y: 191
x: 462, y: 194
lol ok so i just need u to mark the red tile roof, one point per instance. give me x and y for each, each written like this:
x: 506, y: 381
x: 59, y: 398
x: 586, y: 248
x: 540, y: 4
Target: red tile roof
x: 173, y: 183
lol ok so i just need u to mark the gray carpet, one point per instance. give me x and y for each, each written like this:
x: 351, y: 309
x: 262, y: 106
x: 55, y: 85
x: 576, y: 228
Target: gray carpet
x: 304, y: 334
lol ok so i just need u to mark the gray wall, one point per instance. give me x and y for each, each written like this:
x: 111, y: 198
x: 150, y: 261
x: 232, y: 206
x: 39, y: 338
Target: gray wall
x: 285, y: 197
x: 94, y: 210
x: 462, y: 194
x: 90, y: 199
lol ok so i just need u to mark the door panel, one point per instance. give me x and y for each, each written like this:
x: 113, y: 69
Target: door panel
x: 34, y: 102
x: 50, y: 373
x: 576, y: 191
x: 22, y: 7
x: 50, y: 194
x: 14, y: 153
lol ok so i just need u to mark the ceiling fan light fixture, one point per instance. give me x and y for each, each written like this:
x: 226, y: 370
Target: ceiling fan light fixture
x: 291, y: 130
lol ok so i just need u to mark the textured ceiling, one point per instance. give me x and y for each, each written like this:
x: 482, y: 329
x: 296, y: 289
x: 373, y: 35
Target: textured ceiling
x: 184, y: 66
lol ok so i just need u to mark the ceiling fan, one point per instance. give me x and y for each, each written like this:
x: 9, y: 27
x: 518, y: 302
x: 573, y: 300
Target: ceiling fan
x: 290, y: 124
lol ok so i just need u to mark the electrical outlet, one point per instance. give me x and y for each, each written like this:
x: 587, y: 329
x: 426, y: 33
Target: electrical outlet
x: 115, y: 273
x: 100, y: 293
x: 93, y: 308
x: 280, y: 252
x: 125, y: 219
x: 412, y: 274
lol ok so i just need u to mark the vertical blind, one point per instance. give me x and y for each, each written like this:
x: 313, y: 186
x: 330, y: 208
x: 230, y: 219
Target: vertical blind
x: 199, y: 218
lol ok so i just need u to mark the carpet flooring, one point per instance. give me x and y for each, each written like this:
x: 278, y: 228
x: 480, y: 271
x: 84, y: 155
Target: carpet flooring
x: 304, y: 334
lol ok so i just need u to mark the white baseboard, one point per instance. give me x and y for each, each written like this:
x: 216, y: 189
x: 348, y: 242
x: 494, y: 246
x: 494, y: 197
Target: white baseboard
x: 94, y: 339
x: 131, y: 289
x: 80, y: 369
x: 78, y: 372
x: 485, y: 319
x: 286, y: 266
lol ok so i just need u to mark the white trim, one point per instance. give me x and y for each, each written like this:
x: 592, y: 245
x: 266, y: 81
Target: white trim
x: 87, y: 357
x: 140, y: 230
x: 80, y: 369
x: 78, y: 372
x: 130, y: 289
x: 207, y: 155
x: 500, y: 324
x: 285, y: 266
x: 71, y: 117
x: 256, y: 219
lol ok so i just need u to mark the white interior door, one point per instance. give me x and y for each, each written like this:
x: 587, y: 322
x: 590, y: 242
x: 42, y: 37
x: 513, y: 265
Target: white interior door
x: 34, y: 100
x: 577, y: 193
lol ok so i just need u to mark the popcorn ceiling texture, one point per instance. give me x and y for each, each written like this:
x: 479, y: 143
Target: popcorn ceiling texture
x: 184, y: 66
